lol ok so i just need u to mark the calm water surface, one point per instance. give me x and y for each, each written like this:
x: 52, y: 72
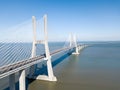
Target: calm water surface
x: 96, y: 68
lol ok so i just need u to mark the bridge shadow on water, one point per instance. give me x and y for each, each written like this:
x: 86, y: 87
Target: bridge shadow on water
x: 43, y: 69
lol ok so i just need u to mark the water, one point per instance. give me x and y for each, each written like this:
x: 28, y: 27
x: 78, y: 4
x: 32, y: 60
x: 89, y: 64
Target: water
x: 96, y: 68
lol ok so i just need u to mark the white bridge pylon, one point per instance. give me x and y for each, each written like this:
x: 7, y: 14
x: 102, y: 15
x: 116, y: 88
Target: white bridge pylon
x: 73, y: 42
x: 50, y: 76
x: 10, y: 70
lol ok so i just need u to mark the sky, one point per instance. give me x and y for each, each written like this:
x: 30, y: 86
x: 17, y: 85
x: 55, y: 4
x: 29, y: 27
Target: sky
x: 90, y: 20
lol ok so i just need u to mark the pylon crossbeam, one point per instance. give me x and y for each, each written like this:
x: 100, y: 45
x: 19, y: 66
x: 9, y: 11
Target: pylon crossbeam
x: 40, y: 42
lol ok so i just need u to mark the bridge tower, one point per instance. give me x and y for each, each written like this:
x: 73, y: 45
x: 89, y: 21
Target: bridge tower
x: 73, y: 42
x: 50, y: 76
x: 71, y: 39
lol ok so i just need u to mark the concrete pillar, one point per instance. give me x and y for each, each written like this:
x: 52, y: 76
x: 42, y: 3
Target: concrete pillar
x: 33, y: 54
x: 34, y: 37
x: 50, y: 70
x: 76, y: 47
x: 50, y: 76
x: 49, y: 65
x: 12, y: 82
x: 22, y: 82
x: 70, y: 39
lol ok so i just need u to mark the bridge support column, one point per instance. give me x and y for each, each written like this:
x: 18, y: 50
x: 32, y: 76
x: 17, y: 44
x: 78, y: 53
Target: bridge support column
x: 12, y: 82
x: 50, y: 76
x: 76, y: 51
x: 33, y: 54
x: 22, y: 84
x: 76, y: 46
x: 50, y: 71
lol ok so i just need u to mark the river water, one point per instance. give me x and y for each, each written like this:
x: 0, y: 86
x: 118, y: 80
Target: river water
x: 96, y: 68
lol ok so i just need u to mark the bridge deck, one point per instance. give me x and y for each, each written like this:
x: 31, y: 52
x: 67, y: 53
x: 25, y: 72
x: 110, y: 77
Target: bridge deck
x: 12, y: 68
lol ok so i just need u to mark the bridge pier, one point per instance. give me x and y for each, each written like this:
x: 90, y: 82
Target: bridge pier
x: 76, y: 46
x: 50, y: 71
x: 33, y: 54
x: 50, y: 76
x: 22, y: 84
x: 12, y: 82
x: 76, y: 51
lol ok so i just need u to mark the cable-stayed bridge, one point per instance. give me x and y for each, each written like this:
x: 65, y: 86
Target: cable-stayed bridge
x: 15, y: 58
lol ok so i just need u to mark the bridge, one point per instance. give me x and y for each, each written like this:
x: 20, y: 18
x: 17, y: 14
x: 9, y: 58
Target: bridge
x: 20, y: 66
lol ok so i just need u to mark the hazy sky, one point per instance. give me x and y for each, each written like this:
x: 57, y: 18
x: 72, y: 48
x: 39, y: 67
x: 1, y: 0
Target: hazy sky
x: 90, y: 19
